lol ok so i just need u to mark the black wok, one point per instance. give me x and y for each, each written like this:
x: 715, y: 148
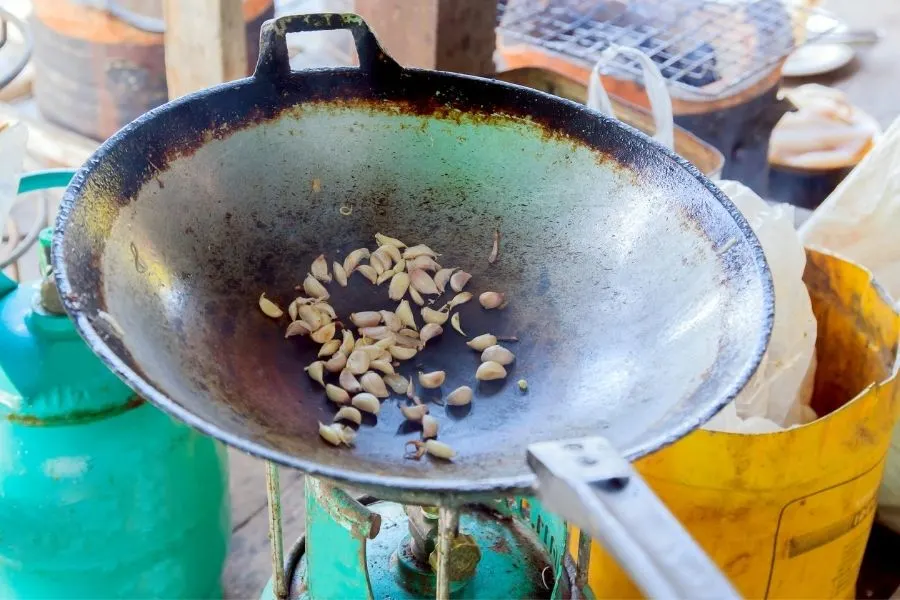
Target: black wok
x: 640, y: 295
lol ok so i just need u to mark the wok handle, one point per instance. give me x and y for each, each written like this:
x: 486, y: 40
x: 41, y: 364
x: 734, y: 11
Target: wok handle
x: 274, y: 62
x: 590, y: 484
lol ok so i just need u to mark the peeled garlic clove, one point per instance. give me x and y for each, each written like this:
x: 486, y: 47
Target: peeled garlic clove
x: 432, y: 380
x: 417, y: 298
x: 292, y: 310
x: 429, y: 427
x: 348, y: 413
x: 429, y: 331
x: 410, y: 389
x: 384, y: 257
x: 482, y: 342
x: 402, y: 353
x: 297, y: 328
x: 323, y: 334
x: 396, y: 382
x: 460, y: 298
x: 374, y: 384
x: 422, y: 282
x: 330, y: 434
x: 347, y: 434
x: 392, y: 251
x: 442, y: 278
x: 349, y: 382
x: 358, y: 362
x: 352, y: 259
x: 336, y: 394
x: 498, y: 354
x: 391, y: 321
x: 459, y: 280
x: 454, y: 321
x: 491, y: 300
x: 373, y: 352
x: 314, y: 288
x: 419, y: 250
x: 368, y: 272
x: 398, y: 287
x: 326, y: 309
x: 383, y: 240
x: 439, y: 449
x: 366, y: 402
x: 340, y: 275
x: 269, y: 308
x: 319, y: 268
x: 336, y: 363
x: 329, y: 348
x: 369, y: 318
x: 382, y: 365
x: 348, y: 342
x: 376, y: 333
x: 316, y: 372
x: 405, y: 314
x: 408, y: 341
x: 461, y: 396
x: 414, y: 413
x: 313, y: 318
x: 434, y: 316
x: 385, y: 344
x: 376, y: 263
x: 426, y: 263
x: 488, y: 371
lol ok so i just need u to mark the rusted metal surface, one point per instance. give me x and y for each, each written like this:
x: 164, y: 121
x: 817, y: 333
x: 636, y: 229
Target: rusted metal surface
x: 448, y: 530
x: 95, y: 73
x: 611, y: 243
x: 276, y: 539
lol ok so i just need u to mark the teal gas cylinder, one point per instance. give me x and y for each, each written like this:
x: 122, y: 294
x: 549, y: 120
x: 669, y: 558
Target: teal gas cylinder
x: 101, y: 494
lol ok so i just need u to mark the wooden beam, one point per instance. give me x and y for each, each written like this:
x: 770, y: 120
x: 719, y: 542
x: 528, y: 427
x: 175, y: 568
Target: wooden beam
x: 448, y: 35
x: 205, y: 43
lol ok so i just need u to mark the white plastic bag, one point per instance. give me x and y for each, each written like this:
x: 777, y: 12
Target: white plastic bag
x: 779, y: 394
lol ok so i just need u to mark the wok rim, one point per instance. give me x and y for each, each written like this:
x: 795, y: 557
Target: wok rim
x: 391, y: 485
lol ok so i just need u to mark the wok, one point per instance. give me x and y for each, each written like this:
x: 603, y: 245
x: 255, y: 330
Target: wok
x: 640, y: 295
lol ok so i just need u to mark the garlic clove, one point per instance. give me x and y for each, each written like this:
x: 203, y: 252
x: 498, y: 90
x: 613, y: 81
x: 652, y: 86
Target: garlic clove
x: 292, y: 310
x: 490, y: 300
x: 414, y: 413
x: 368, y: 272
x: 442, y: 278
x: 352, y: 260
x: 349, y: 382
x: 410, y: 389
x: 369, y: 318
x: 336, y: 394
x: 392, y: 252
x: 340, y: 275
x: 269, y: 308
x: 319, y: 268
x: 416, y: 296
x: 329, y: 348
x: 382, y: 365
x: 396, y: 382
x: 336, y: 363
x: 459, y: 280
x: 348, y: 342
x: 358, y: 362
x: 430, y: 330
x: 460, y: 298
x: 429, y: 427
x: 312, y: 317
x: 383, y: 240
x: 402, y: 353
x: 398, y: 287
x: 376, y: 263
x: 323, y: 334
x: 482, y: 342
x: 391, y: 321
x: 439, y: 449
x: 374, y: 384
x: 454, y: 321
x: 426, y: 263
x: 376, y: 333
x: 488, y: 371
x: 366, y: 402
x: 313, y: 287
x: 432, y: 380
x: 348, y: 413
x: 434, y: 316
x: 461, y: 396
x: 325, y: 309
x: 405, y: 314
x: 297, y: 328
x: 316, y: 372
x: 422, y: 282
x: 497, y: 354
x: 330, y: 434
x: 419, y: 250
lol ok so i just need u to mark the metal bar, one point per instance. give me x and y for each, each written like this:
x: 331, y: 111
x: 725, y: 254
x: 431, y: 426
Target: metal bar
x: 448, y: 528
x: 276, y: 543
x: 584, y: 560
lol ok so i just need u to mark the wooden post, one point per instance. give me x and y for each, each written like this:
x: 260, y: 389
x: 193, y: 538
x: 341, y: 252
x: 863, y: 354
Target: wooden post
x: 205, y: 43
x: 448, y: 35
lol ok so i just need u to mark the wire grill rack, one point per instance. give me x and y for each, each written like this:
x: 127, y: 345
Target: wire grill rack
x: 704, y: 48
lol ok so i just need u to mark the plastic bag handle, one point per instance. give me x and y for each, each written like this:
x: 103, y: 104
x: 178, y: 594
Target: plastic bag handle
x: 654, y: 84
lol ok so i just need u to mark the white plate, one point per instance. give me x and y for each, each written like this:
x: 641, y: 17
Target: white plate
x: 817, y: 59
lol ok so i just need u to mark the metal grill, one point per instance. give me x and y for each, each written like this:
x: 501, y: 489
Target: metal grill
x: 704, y: 48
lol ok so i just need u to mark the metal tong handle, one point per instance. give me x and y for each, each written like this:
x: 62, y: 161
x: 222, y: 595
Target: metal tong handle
x: 273, y: 55
x: 590, y: 484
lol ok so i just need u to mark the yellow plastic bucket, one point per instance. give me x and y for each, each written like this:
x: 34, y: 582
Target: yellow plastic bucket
x: 787, y: 514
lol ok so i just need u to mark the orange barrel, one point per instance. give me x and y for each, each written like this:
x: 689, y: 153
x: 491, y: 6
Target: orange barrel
x: 95, y: 73
x: 787, y: 514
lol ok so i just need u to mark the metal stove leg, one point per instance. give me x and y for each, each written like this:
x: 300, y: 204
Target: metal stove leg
x: 276, y: 543
x: 448, y: 529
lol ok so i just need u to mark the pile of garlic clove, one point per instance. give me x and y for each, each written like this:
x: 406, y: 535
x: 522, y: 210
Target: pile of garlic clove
x: 365, y: 363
